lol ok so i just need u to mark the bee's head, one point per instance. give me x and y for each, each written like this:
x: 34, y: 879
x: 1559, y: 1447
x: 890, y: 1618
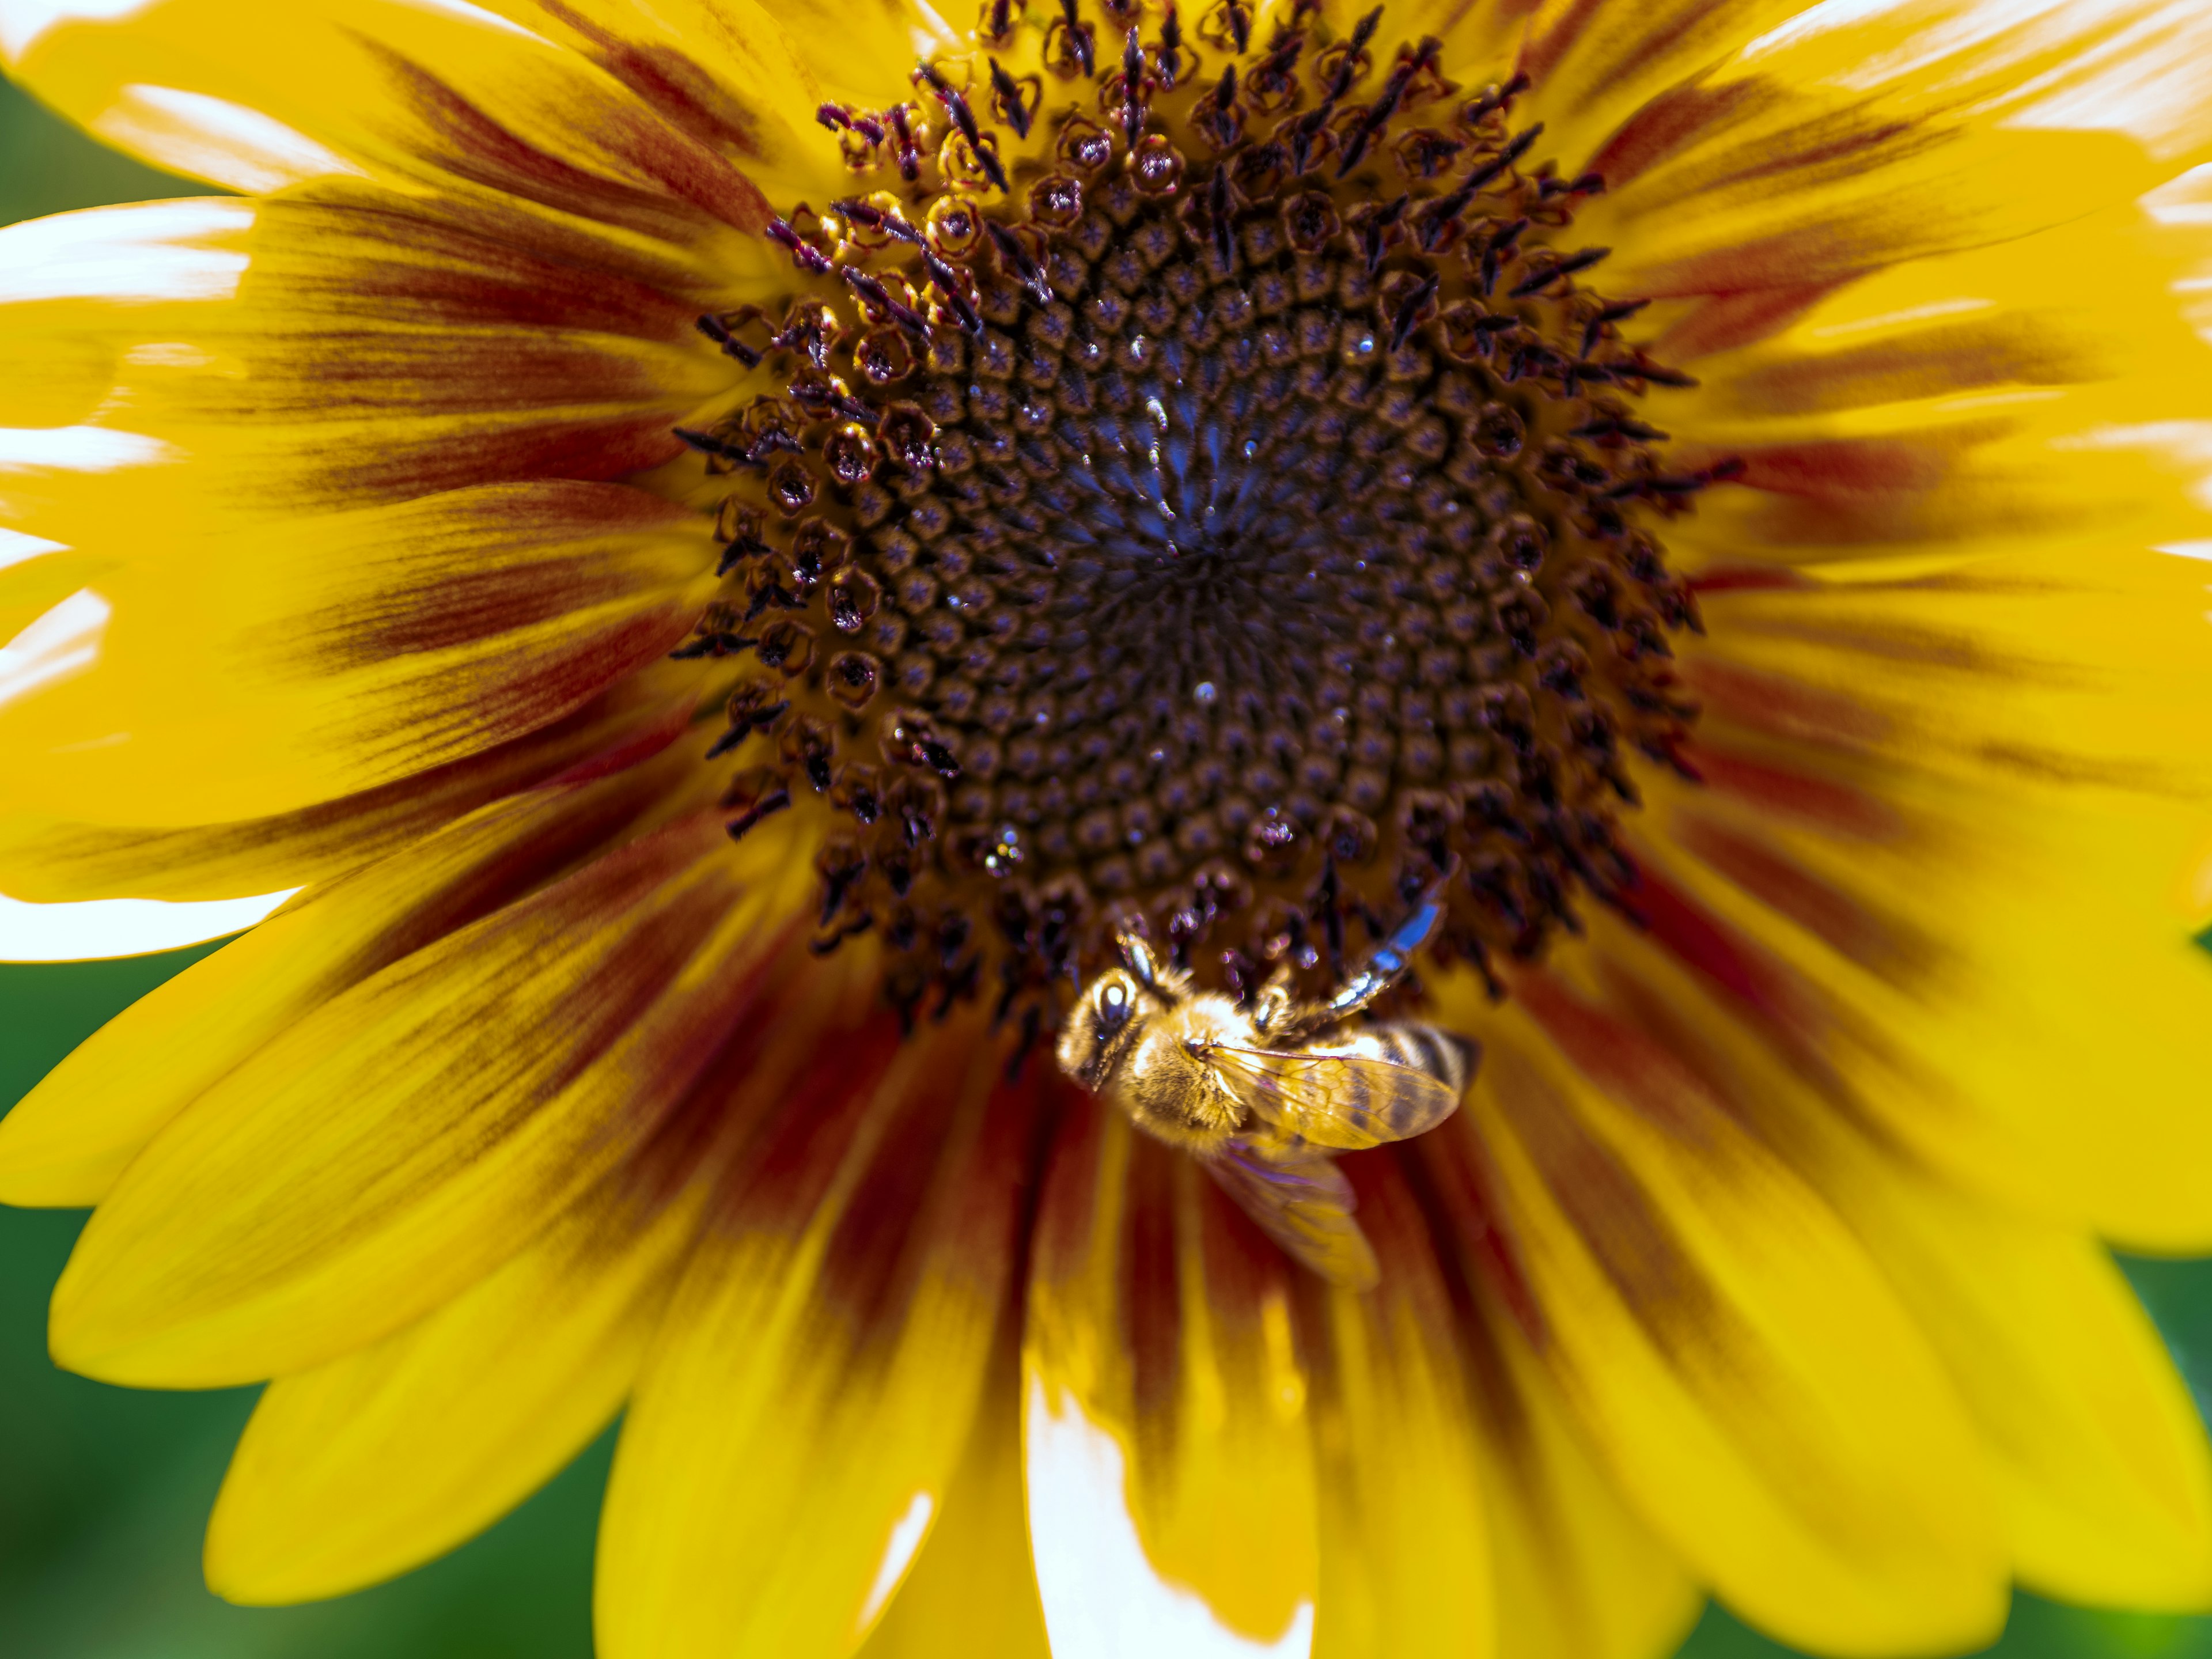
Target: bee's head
x: 1101, y: 1026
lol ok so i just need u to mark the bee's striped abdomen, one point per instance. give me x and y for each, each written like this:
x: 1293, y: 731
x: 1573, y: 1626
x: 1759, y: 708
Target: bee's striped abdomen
x: 1424, y: 1049
x: 1434, y: 1053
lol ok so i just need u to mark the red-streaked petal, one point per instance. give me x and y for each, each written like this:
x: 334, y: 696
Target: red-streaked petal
x: 799, y: 1423
x: 485, y: 1081
x: 67, y: 1141
x: 1167, y: 1404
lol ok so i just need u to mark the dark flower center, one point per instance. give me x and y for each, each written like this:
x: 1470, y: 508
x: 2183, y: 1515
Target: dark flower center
x: 1197, y: 486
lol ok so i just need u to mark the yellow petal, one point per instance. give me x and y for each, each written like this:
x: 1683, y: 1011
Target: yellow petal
x: 75, y: 286
x: 407, y: 1137
x: 1167, y: 1404
x: 1593, y: 64
x: 371, y: 1464
x: 331, y: 657
x: 456, y: 100
x: 2099, y: 1462
x: 2026, y: 739
x: 1835, y: 145
x: 69, y: 1140
x: 2098, y: 1454
x: 1735, y: 1359
x: 1577, y: 1574
x: 971, y: 1594
x: 1983, y: 402
x: 745, y: 79
x: 797, y: 1429
x: 1405, y: 1548
x: 58, y: 860
x: 346, y: 344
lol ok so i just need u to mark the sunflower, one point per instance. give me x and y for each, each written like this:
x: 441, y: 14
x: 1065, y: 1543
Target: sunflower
x: 732, y: 549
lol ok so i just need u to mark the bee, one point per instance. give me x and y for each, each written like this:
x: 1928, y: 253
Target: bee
x: 1263, y: 1093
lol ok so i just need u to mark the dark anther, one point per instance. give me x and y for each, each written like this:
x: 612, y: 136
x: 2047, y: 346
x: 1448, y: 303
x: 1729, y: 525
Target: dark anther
x: 1494, y: 98
x: 826, y: 946
x: 1079, y: 36
x: 1378, y: 224
x: 1329, y: 913
x: 721, y: 642
x: 1304, y: 132
x: 1218, y: 203
x: 841, y: 863
x: 916, y: 812
x: 1347, y: 69
x: 1016, y: 260
x: 771, y: 592
x: 999, y: 20
x: 1618, y: 427
x: 1032, y: 1022
x: 905, y: 149
x: 1501, y: 243
x: 1505, y: 158
x: 750, y: 710
x: 809, y: 258
x: 1589, y: 184
x: 719, y: 331
x: 1543, y: 279
x: 947, y: 281
x: 1647, y: 370
x: 708, y: 443
x: 1594, y: 330
x: 835, y: 117
x: 809, y: 745
x: 959, y: 984
x: 955, y: 105
x: 1169, y: 56
x: 1409, y: 309
x: 823, y: 397
x: 1438, y: 217
x: 775, y: 801
x: 908, y: 433
x: 891, y: 224
x: 1385, y: 105
x: 1013, y: 109
x: 1240, y: 26
x: 953, y: 932
x: 854, y: 792
x: 1133, y: 87
x: 904, y: 991
x: 853, y: 676
x: 1273, y: 72
x: 879, y: 296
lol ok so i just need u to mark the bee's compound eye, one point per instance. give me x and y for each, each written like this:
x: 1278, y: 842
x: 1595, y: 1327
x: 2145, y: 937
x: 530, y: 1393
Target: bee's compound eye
x: 1114, y: 1005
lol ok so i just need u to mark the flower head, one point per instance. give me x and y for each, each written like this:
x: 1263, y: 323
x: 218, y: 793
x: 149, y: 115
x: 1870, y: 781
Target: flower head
x: 742, y: 554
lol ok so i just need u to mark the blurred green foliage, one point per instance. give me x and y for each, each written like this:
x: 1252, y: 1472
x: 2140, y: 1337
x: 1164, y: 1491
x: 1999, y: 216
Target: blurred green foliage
x: 103, y: 1491
x: 46, y: 166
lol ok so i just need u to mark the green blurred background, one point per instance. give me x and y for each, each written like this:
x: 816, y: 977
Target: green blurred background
x: 103, y: 1491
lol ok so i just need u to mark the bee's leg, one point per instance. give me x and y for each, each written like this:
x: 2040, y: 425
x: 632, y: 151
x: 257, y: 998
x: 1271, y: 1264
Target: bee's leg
x: 1274, y: 1009
x: 1138, y: 957
x: 1389, y: 963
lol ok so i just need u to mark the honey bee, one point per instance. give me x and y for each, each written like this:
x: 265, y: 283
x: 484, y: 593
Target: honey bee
x: 1263, y: 1093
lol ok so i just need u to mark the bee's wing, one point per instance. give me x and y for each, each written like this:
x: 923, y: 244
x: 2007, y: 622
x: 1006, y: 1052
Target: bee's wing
x: 1302, y: 1200
x: 1344, y: 1101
